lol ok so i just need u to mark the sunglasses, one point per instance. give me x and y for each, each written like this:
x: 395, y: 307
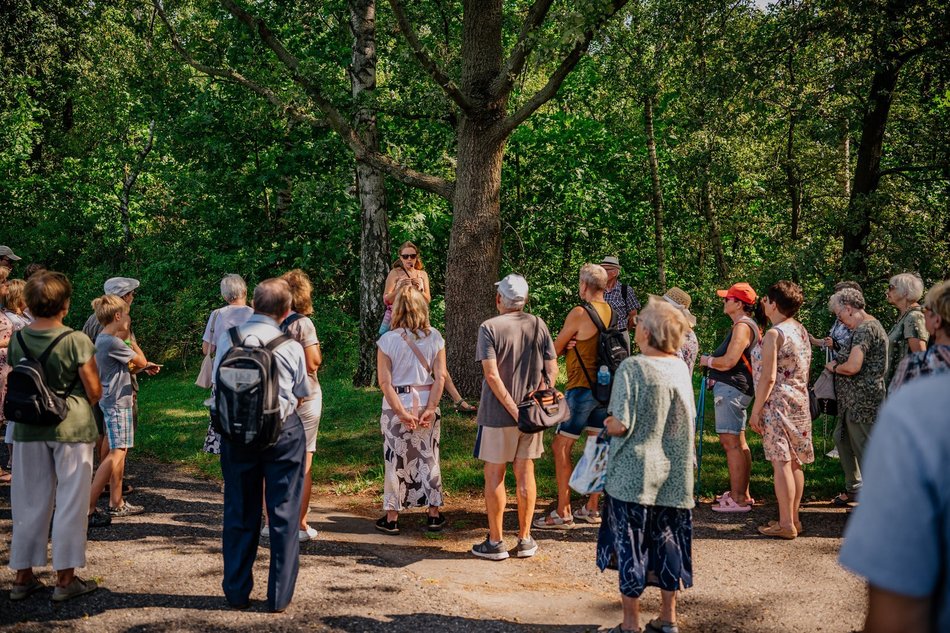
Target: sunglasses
x: 409, y: 256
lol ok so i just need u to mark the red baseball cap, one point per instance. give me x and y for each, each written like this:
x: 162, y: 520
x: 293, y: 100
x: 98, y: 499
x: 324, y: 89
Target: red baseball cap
x: 741, y: 291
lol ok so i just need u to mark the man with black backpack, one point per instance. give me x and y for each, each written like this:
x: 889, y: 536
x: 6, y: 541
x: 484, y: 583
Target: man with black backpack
x: 594, y: 347
x: 260, y: 376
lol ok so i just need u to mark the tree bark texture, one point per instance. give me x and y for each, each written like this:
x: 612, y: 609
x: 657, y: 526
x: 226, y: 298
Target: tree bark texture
x: 657, y: 193
x: 475, y: 244
x: 371, y: 183
x: 867, y: 171
x: 844, y: 173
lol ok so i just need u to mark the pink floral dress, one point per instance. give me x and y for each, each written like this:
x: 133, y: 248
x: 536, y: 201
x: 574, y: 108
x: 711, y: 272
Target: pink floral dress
x: 786, y: 419
x: 6, y: 331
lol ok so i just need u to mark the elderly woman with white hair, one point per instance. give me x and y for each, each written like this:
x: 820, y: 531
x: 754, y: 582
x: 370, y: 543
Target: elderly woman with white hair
x: 235, y: 313
x: 909, y: 333
x: 936, y: 358
x: 859, y: 385
x: 647, y: 527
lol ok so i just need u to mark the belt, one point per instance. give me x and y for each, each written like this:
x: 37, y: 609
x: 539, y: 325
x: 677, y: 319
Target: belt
x: 409, y: 388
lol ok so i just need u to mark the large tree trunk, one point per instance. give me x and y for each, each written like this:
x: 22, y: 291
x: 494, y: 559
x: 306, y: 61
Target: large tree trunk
x: 867, y: 172
x: 475, y: 245
x: 657, y: 194
x: 374, y: 221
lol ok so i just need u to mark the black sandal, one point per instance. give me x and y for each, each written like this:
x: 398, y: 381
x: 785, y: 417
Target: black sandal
x: 389, y: 527
x: 435, y: 524
x: 463, y: 407
x: 845, y: 502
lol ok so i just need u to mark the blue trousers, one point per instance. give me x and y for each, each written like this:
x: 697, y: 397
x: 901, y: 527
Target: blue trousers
x: 245, y: 473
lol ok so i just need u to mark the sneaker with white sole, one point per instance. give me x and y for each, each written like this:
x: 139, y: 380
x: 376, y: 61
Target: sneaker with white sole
x: 78, y: 587
x: 307, y: 535
x: 489, y: 550
x: 527, y: 547
x: 265, y: 533
x: 125, y: 510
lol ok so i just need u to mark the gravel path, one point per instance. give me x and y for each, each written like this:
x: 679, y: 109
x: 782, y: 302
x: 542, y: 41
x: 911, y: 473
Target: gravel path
x: 161, y: 571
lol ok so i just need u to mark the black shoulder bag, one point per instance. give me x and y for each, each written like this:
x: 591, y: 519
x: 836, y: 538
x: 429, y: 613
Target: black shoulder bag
x: 544, y: 407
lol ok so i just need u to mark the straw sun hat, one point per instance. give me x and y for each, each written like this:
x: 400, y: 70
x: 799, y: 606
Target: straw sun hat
x: 680, y: 300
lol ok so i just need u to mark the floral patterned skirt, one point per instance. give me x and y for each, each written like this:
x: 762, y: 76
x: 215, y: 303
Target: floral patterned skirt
x: 413, y: 478
x: 786, y: 429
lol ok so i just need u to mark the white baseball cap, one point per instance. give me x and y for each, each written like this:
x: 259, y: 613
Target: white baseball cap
x: 513, y: 287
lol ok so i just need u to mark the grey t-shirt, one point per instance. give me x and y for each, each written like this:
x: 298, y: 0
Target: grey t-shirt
x: 112, y: 357
x: 899, y: 537
x: 514, y: 340
x: 92, y: 328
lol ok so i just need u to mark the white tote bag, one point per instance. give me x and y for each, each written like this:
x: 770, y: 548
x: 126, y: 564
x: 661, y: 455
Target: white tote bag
x: 590, y: 474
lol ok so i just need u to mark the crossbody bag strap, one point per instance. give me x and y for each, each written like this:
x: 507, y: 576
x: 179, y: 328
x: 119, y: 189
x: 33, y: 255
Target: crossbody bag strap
x: 418, y: 353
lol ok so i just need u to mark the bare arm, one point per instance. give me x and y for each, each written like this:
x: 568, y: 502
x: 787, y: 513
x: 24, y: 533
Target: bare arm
x: 893, y: 613
x: 313, y: 357
x: 763, y: 388
x: 389, y: 294
x: 426, y: 292
x: 439, y: 372
x: 206, y: 348
x: 384, y: 375
x: 571, y: 326
x: 915, y: 344
x: 89, y: 375
x: 493, y: 378
x: 741, y: 337
x: 139, y: 361
x: 851, y: 366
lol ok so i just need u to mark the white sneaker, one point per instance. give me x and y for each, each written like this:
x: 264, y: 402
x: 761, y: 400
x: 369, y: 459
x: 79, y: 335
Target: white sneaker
x: 833, y: 454
x: 307, y: 535
x: 265, y: 533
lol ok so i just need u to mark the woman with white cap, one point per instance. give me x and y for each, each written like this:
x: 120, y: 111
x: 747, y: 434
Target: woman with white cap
x: 689, y: 350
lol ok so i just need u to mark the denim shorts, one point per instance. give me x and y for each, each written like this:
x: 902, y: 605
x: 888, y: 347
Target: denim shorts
x: 119, y: 427
x: 731, y: 405
x: 586, y: 413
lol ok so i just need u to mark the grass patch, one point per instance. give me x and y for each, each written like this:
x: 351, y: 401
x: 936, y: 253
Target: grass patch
x: 349, y: 456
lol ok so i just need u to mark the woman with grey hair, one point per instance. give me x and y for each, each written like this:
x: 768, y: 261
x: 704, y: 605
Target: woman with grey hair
x: 235, y: 313
x: 909, y: 334
x: 859, y: 384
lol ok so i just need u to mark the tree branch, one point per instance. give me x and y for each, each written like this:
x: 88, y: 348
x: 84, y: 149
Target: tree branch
x: 909, y: 168
x: 411, y: 177
x: 228, y: 74
x: 505, y: 80
x: 427, y: 182
x: 438, y: 75
x: 140, y: 159
x: 507, y: 125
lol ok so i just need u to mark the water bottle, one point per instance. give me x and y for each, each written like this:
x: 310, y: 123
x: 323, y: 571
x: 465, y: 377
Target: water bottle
x: 603, y: 375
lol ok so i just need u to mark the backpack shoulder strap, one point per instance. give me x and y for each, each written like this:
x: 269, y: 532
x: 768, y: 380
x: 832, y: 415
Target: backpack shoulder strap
x: 592, y: 313
x: 277, y: 342
x: 624, y: 291
x: 234, y: 333
x: 49, y: 349
x: 290, y: 320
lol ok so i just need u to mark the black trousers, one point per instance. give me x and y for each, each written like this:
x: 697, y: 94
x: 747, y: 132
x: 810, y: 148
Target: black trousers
x: 245, y: 473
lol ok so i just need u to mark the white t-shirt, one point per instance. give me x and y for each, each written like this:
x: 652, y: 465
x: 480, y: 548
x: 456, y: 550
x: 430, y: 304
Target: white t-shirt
x: 228, y: 317
x: 406, y: 368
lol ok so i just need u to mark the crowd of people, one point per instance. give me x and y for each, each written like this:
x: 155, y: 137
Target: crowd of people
x: 643, y: 406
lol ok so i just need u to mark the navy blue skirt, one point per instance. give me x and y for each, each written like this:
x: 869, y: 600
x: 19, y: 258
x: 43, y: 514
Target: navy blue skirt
x: 647, y: 545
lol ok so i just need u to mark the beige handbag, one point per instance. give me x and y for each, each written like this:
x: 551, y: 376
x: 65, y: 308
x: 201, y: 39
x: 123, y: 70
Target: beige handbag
x: 204, y: 374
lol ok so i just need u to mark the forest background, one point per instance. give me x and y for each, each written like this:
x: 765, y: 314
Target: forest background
x: 703, y: 142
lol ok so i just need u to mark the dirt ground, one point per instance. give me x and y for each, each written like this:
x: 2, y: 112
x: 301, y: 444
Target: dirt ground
x: 161, y: 571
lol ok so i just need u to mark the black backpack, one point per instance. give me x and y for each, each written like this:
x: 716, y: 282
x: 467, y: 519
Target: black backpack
x: 246, y: 407
x: 29, y: 398
x: 611, y: 351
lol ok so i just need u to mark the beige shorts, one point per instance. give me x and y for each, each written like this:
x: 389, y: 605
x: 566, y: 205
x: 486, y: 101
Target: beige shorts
x: 506, y: 444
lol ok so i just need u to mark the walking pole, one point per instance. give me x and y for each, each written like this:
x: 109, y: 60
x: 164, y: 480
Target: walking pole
x: 700, y: 427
